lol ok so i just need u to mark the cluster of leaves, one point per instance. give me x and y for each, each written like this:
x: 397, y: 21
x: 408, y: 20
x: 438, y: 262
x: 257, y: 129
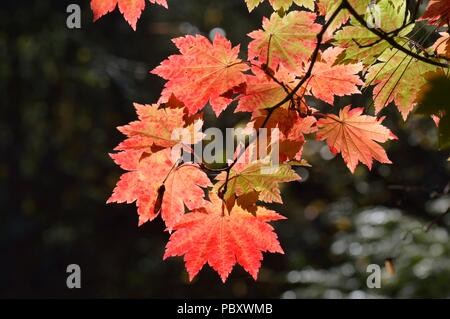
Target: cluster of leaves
x: 218, y: 218
x: 131, y: 9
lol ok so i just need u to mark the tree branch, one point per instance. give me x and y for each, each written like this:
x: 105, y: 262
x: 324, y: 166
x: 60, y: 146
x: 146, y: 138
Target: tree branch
x: 388, y: 39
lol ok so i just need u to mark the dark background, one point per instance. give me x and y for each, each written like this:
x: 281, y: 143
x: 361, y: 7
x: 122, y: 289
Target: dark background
x: 63, y: 93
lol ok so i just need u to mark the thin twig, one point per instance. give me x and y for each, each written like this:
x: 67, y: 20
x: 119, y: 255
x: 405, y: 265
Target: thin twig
x: 389, y: 39
x: 436, y: 220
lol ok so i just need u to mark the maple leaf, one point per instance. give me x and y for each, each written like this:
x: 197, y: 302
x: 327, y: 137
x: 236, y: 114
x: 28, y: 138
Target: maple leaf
x: 442, y: 45
x: 131, y: 9
x: 158, y: 185
x: 158, y: 128
x: 281, y: 4
x: 184, y: 186
x: 203, y: 72
x: 223, y: 238
x: 361, y: 44
x: 328, y: 80
x: 437, y: 12
x: 288, y: 40
x: 263, y: 92
x: 256, y: 175
x: 292, y: 142
x: 354, y: 136
x: 328, y: 7
x: 398, y: 78
x: 292, y: 130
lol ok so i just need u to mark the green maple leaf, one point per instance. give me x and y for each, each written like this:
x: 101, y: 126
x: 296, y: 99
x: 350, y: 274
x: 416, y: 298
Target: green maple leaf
x: 259, y: 176
x: 362, y: 45
x: 328, y: 7
x: 287, y: 40
x: 397, y: 78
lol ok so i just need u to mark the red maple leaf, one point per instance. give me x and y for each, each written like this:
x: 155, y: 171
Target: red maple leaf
x: 442, y: 45
x: 154, y: 180
x: 263, y: 92
x: 223, y: 238
x: 437, y: 12
x: 131, y: 9
x: 328, y: 80
x: 158, y: 128
x: 292, y: 130
x: 159, y: 186
x: 203, y: 72
x: 354, y: 136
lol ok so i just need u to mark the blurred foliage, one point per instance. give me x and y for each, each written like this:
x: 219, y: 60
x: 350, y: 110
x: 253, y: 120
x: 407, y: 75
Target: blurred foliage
x: 64, y: 91
x: 434, y: 102
x: 420, y: 259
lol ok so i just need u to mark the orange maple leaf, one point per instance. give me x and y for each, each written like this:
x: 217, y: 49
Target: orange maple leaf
x: 131, y: 9
x: 158, y: 128
x: 354, y: 136
x: 149, y: 176
x: 437, y: 12
x: 154, y: 180
x: 292, y: 130
x: 203, y: 72
x: 442, y: 45
x: 263, y: 92
x: 223, y: 238
x: 328, y: 80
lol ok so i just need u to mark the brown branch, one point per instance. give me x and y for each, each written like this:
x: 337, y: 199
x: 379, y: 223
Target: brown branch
x: 436, y: 220
x: 363, y: 46
x: 405, y: 18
